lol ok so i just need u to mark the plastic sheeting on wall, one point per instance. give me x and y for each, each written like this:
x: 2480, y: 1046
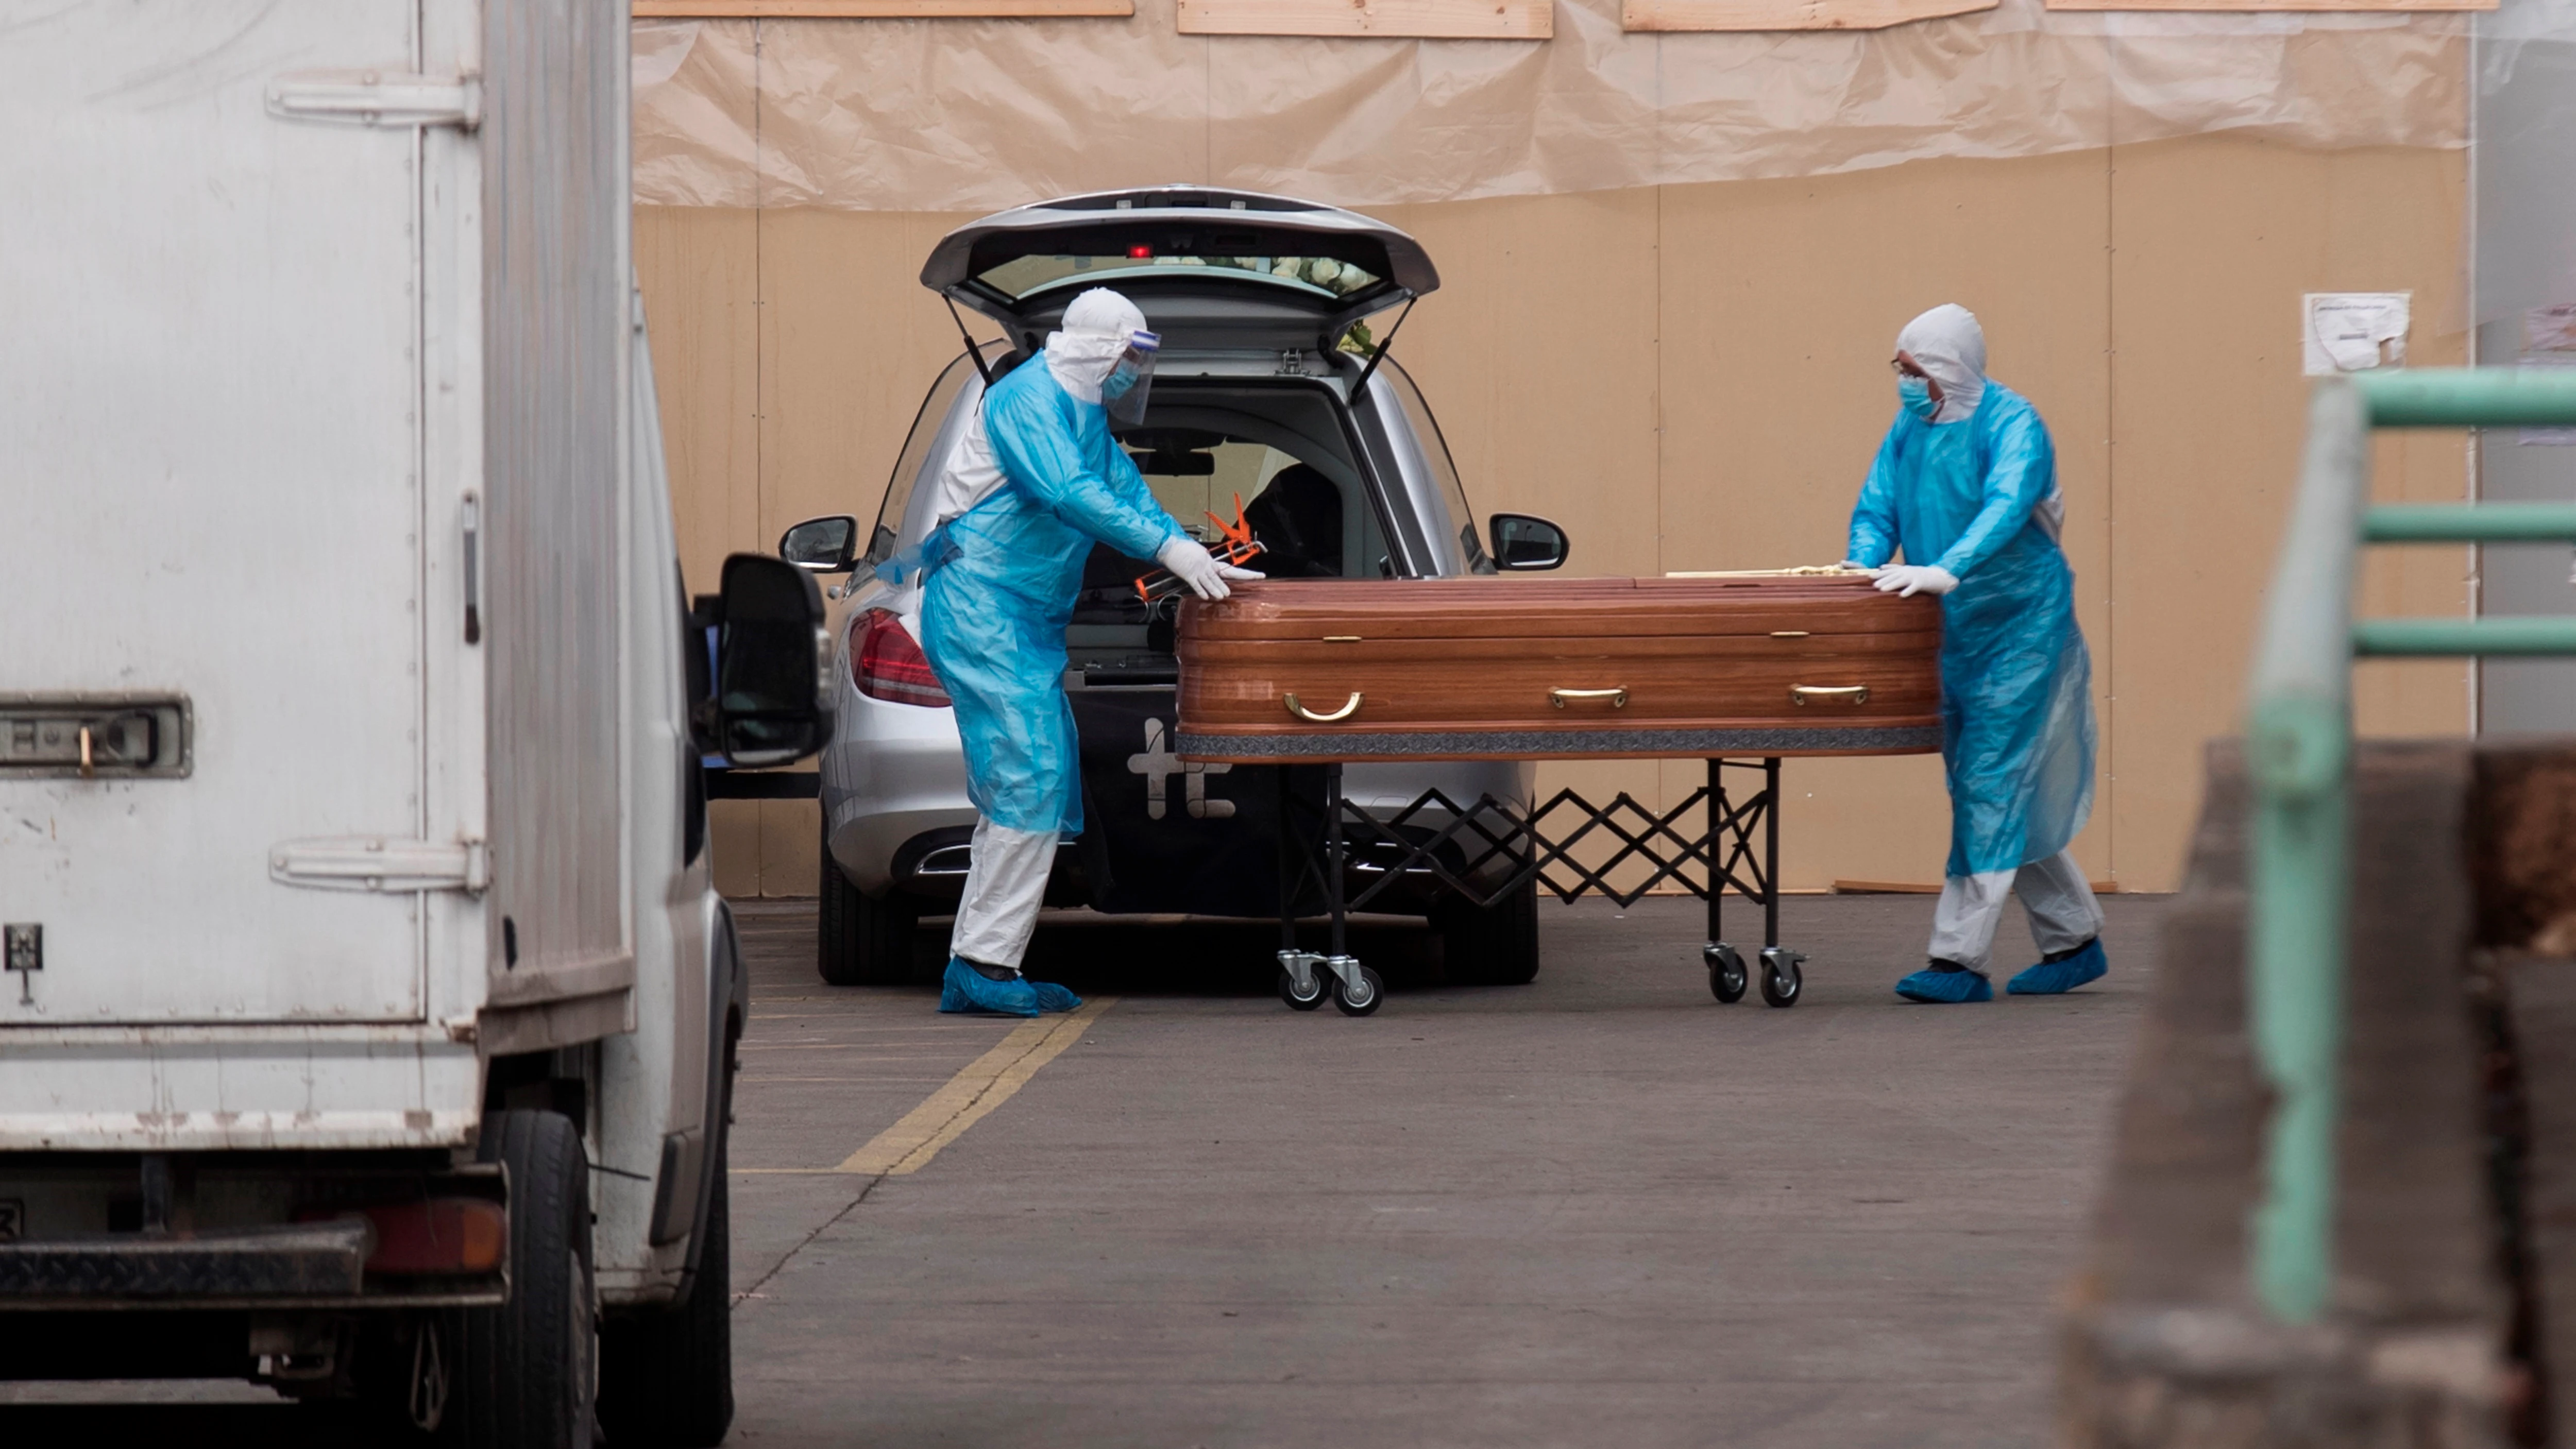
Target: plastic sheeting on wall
x: 976, y: 115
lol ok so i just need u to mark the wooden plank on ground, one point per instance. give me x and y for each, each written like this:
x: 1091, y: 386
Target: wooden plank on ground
x: 2378, y: 7
x: 1920, y: 888
x: 877, y: 9
x: 1388, y: 19
x: 1789, y: 14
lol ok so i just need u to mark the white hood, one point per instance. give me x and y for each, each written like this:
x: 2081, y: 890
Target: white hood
x: 1950, y: 347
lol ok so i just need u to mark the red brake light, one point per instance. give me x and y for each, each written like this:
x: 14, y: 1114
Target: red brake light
x: 435, y: 1235
x: 885, y: 663
x: 1140, y: 252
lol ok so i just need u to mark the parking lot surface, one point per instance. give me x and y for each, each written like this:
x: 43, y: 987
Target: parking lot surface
x: 1601, y: 1209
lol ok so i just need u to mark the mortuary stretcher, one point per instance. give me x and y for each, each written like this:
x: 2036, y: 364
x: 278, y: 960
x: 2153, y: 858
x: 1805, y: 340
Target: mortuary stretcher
x: 1739, y: 670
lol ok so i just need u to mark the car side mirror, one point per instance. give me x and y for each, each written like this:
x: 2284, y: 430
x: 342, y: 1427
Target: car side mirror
x: 1526, y: 544
x: 822, y: 545
x: 773, y: 665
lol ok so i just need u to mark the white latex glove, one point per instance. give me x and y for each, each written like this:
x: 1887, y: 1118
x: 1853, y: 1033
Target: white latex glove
x: 1907, y: 580
x: 1196, y: 567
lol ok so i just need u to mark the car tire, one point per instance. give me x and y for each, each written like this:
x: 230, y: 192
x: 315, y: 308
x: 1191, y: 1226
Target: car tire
x: 1493, y: 946
x: 666, y: 1379
x: 531, y: 1365
x: 860, y: 940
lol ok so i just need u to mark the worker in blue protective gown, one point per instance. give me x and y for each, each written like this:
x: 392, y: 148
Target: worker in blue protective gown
x: 1035, y: 481
x: 1966, y: 485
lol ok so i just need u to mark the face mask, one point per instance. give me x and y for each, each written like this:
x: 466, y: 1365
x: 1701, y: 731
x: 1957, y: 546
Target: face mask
x: 1916, y: 394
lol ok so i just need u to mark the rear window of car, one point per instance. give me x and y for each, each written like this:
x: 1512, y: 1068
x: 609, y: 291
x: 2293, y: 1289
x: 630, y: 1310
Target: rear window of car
x: 1314, y: 276
x: 1278, y: 448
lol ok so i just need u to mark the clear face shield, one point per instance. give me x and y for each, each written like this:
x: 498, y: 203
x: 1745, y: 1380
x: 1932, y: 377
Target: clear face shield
x: 1125, y: 389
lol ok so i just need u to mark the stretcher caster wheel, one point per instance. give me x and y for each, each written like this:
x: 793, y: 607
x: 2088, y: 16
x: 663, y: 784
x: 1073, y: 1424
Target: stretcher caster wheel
x: 1314, y: 994
x: 1727, y: 977
x: 1362, y: 998
x: 1781, y: 978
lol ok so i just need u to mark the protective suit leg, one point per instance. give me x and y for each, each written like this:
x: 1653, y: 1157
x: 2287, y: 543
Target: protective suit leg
x: 1005, y: 885
x: 1963, y: 924
x: 2063, y: 912
x: 1963, y: 937
x: 2066, y: 925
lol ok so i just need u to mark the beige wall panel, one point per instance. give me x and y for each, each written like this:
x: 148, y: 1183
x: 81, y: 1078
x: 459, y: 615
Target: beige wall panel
x: 791, y: 847
x: 699, y: 269
x: 2216, y: 238
x: 733, y: 843
x: 1382, y: 19
x: 850, y: 343
x: 1538, y: 356
x: 1781, y: 304
x: 1695, y: 378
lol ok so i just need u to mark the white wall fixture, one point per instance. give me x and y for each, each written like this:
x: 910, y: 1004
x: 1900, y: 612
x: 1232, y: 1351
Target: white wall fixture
x: 2354, y: 331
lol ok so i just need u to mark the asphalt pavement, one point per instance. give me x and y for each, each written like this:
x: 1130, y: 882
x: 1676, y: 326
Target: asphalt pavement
x: 1601, y: 1209
x: 1598, y: 1209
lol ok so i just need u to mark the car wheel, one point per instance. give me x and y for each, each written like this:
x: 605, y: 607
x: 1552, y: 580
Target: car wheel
x: 859, y: 940
x: 666, y: 1379
x: 1494, y: 946
x: 532, y: 1364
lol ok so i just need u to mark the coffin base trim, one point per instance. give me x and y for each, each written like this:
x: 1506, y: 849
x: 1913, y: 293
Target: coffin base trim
x: 1561, y: 744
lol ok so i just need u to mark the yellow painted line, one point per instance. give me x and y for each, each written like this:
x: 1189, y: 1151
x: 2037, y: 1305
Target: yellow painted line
x: 986, y: 1083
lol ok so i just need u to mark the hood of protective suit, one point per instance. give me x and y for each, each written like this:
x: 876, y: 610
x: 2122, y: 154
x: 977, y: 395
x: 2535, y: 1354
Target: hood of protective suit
x: 1086, y: 351
x: 1950, y: 347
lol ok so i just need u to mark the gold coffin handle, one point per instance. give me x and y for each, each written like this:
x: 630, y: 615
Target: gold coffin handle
x: 1830, y: 694
x: 1350, y: 706
x: 1560, y: 697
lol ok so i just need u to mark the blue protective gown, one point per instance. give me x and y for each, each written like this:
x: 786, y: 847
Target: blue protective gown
x: 1001, y: 584
x: 2016, y: 681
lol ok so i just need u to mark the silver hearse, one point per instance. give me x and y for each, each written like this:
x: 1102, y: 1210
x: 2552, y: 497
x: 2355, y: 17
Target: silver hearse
x: 1271, y: 391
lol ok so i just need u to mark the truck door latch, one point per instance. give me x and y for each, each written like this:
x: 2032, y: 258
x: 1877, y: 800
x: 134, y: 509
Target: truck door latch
x: 381, y: 863
x: 377, y: 98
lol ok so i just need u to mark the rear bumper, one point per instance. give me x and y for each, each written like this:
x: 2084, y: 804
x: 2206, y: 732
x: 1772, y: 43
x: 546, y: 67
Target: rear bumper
x: 303, y: 1265
x: 202, y: 1089
x: 303, y: 1260
x: 249, y: 1230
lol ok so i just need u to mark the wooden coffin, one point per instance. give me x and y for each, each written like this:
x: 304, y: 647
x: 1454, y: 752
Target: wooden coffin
x: 1524, y: 669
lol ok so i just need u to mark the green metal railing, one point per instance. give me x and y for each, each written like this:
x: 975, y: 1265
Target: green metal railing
x: 2299, y: 751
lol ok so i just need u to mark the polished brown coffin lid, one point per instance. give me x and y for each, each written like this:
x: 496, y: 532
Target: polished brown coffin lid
x: 1501, y: 607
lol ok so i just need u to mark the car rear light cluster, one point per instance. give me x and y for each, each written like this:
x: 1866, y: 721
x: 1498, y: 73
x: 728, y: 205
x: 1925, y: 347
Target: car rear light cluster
x: 885, y: 663
x: 432, y: 1235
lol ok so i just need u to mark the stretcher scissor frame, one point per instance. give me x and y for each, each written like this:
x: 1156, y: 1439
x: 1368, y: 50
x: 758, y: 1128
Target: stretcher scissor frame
x: 1486, y: 850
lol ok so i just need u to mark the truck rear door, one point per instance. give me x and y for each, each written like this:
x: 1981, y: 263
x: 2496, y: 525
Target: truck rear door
x: 212, y: 694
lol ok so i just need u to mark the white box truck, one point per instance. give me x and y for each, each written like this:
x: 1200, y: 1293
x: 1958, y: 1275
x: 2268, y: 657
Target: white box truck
x: 367, y: 1018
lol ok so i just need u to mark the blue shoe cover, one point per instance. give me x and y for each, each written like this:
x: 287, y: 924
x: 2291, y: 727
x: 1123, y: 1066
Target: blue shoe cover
x: 1945, y: 987
x: 962, y: 988
x: 1052, y: 997
x: 2048, y: 978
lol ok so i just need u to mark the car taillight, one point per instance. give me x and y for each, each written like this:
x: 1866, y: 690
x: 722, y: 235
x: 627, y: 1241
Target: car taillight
x: 435, y: 1235
x: 885, y: 663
